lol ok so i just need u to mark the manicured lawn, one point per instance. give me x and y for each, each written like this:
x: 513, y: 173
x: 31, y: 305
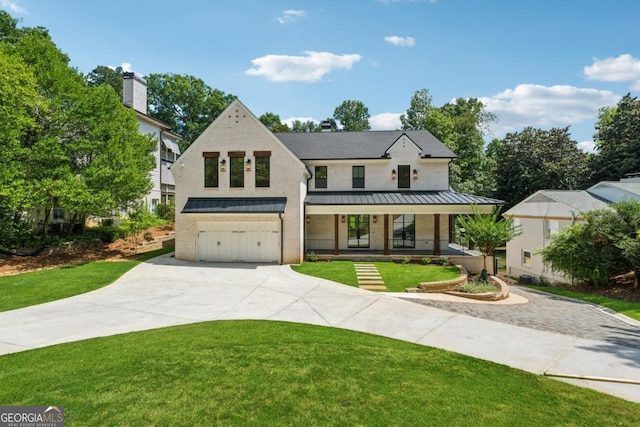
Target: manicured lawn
x: 276, y: 373
x: 631, y: 309
x: 397, y: 277
x: 23, y: 290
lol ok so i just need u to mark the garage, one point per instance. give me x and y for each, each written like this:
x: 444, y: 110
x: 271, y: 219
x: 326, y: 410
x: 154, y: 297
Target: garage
x: 238, y: 241
x: 237, y: 229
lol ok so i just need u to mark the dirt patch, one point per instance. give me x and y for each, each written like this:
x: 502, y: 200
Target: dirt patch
x: 120, y: 250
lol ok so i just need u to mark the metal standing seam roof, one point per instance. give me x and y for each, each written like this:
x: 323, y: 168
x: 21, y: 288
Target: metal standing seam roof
x: 358, y: 145
x: 232, y: 205
x: 445, y: 197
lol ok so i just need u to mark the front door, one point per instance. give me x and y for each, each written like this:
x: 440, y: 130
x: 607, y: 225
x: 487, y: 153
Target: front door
x: 358, y: 236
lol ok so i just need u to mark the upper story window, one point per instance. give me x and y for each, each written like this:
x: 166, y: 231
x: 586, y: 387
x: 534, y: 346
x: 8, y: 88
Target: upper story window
x: 211, y: 169
x: 321, y: 176
x: 263, y: 168
x: 236, y: 169
x: 357, y: 175
x: 404, y: 176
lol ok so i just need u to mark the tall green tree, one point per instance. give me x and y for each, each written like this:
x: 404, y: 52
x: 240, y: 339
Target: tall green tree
x: 536, y: 159
x: 79, y: 149
x: 300, y: 126
x: 617, y: 141
x: 186, y: 103
x: 102, y: 75
x: 273, y: 122
x: 352, y: 115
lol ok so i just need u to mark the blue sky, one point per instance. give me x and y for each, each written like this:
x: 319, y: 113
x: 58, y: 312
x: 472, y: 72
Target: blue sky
x: 541, y: 63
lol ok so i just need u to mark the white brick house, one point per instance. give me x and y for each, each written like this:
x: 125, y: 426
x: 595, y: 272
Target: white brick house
x: 244, y: 193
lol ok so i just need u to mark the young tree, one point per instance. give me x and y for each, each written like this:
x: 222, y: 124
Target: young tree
x: 102, y: 75
x: 186, y: 103
x: 488, y: 232
x: 352, y: 115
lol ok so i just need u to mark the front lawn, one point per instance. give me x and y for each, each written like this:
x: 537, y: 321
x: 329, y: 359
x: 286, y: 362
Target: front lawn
x: 23, y: 290
x: 397, y: 277
x: 276, y: 373
x: 628, y: 308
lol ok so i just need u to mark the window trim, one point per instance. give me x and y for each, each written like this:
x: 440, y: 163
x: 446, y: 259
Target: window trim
x: 258, y: 166
x: 357, y: 181
x: 525, y: 257
x: 360, y: 219
x: 404, y: 232
x: 237, y: 163
x: 211, y: 163
x: 321, y: 182
x: 404, y: 176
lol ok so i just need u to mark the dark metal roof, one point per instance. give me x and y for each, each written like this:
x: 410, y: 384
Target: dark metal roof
x: 235, y: 205
x: 446, y: 197
x: 358, y: 145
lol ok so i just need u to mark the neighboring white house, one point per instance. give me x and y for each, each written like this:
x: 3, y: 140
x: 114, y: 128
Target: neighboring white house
x: 546, y: 212
x: 134, y: 95
x: 244, y: 193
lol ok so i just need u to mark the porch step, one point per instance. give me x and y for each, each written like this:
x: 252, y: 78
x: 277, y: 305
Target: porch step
x: 369, y: 277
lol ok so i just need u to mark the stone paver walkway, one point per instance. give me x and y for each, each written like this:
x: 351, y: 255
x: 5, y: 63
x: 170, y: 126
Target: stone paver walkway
x: 369, y: 277
x: 553, y: 313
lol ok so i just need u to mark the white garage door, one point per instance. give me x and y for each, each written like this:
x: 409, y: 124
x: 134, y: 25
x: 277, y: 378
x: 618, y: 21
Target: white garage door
x: 238, y: 241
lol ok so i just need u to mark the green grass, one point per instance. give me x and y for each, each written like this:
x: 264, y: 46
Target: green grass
x: 397, y: 277
x: 23, y: 290
x: 276, y: 373
x: 630, y: 309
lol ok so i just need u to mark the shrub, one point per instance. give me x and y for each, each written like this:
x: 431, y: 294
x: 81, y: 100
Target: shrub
x: 147, y: 236
x: 406, y: 260
x: 426, y: 260
x: 312, y: 257
x: 444, y: 260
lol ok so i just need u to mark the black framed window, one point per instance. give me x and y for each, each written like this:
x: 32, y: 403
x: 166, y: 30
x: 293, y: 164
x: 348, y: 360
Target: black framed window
x: 321, y: 176
x: 404, y: 231
x: 211, y: 172
x: 263, y: 172
x: 404, y: 176
x: 236, y: 170
x: 358, y: 234
x: 357, y: 174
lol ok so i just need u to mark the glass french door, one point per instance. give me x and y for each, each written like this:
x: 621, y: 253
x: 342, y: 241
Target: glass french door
x: 358, y: 235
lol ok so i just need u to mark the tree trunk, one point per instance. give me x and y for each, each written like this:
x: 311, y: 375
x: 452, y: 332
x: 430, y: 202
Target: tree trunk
x: 636, y: 278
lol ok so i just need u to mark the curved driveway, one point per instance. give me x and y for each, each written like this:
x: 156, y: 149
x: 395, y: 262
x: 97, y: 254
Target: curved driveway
x: 167, y: 292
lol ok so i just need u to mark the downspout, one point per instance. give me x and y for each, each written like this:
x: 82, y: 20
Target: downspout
x: 160, y: 163
x: 280, y: 215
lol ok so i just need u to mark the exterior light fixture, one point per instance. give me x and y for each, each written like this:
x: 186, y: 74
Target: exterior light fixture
x: 415, y: 174
x: 223, y: 165
x: 247, y: 165
x: 394, y: 174
x: 308, y: 219
x: 375, y: 219
x: 343, y: 219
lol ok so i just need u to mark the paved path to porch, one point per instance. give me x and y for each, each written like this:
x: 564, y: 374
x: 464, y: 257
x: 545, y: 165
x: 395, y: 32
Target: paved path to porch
x: 369, y: 277
x: 166, y: 292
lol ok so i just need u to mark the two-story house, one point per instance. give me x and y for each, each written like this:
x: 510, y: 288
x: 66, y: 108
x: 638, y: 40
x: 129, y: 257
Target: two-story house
x: 134, y: 96
x: 244, y: 193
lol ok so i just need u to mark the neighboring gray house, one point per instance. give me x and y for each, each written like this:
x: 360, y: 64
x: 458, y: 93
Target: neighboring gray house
x: 244, y: 193
x: 546, y: 212
x: 134, y: 95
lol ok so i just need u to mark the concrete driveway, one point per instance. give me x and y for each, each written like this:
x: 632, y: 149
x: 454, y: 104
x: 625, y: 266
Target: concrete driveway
x: 167, y: 292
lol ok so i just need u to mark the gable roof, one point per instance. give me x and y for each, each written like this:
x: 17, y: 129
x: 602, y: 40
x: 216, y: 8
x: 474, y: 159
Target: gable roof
x: 580, y: 200
x: 616, y: 191
x: 359, y: 145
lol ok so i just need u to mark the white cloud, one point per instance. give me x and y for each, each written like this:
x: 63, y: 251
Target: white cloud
x: 12, y: 6
x: 621, y: 69
x: 385, y: 121
x: 587, y: 146
x: 126, y: 67
x: 290, y: 120
x: 400, y: 41
x: 290, y: 15
x: 546, y: 106
x: 308, y: 68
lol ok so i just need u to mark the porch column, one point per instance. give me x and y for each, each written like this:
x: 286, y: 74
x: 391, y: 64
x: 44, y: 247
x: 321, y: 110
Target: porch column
x: 386, y: 234
x: 336, y: 234
x: 452, y: 234
x: 436, y: 234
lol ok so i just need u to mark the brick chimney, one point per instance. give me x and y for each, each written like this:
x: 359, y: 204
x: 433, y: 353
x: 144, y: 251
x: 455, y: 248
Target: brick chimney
x: 134, y: 92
